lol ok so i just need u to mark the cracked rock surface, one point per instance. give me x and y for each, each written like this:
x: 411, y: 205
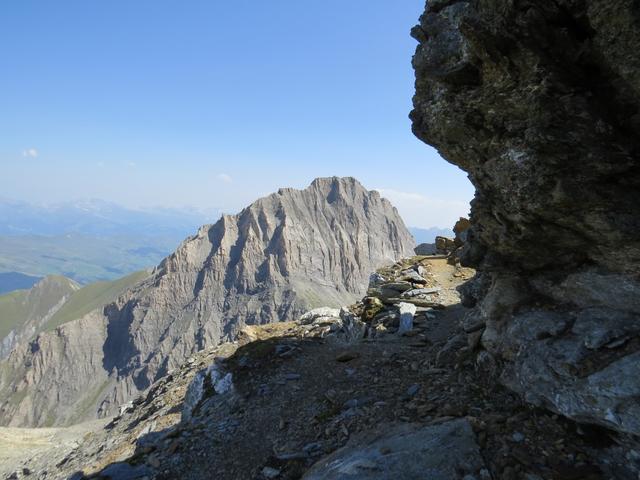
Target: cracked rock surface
x: 540, y: 103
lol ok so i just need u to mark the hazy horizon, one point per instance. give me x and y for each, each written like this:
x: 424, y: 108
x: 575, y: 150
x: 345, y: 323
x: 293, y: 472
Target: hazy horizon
x: 212, y: 213
x: 215, y: 105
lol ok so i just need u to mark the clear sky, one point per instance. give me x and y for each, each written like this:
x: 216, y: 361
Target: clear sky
x: 213, y: 103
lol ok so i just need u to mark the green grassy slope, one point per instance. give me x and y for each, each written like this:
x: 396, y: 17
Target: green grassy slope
x: 12, y: 311
x: 91, y: 297
x: 19, y: 306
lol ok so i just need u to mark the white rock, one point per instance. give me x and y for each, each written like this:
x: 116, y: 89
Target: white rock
x: 316, y: 313
x: 407, y: 311
x: 222, y: 383
x: 126, y: 407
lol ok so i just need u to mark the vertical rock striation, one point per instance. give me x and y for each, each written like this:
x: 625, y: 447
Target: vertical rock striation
x: 279, y: 257
x: 540, y: 103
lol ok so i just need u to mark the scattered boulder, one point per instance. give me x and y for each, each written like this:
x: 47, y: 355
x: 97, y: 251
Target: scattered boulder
x: 269, y: 473
x: 445, y: 245
x: 425, y: 249
x: 395, y: 293
x: 319, y: 314
x: 371, y: 307
x: 445, y: 451
x: 585, y: 367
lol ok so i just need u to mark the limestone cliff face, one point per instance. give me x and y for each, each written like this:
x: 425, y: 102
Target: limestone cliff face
x: 540, y: 103
x: 284, y: 254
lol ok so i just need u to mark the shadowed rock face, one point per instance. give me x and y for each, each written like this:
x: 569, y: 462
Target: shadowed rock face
x: 540, y: 103
x: 279, y: 257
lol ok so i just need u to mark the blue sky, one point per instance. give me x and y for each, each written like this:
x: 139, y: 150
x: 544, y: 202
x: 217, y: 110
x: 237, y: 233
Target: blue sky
x: 212, y: 104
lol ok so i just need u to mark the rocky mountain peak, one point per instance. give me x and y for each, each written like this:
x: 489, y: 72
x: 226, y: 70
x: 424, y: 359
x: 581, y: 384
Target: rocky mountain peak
x: 53, y: 284
x: 282, y: 255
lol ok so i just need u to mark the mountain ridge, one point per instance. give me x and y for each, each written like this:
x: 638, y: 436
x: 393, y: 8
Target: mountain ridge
x: 51, y: 302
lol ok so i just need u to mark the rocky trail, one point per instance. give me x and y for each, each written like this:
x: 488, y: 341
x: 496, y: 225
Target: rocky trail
x: 331, y: 397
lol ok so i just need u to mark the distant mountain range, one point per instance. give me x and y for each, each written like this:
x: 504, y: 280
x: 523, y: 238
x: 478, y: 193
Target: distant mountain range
x: 99, y: 218
x: 88, y: 240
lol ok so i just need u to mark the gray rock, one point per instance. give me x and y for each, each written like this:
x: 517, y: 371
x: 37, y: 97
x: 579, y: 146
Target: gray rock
x: 438, y: 452
x: 319, y: 313
x: 560, y: 372
x: 397, y: 287
x: 352, y: 330
x: 425, y: 249
x: 413, y: 390
x: 412, y: 276
x: 376, y: 279
x: 555, y: 223
x: 592, y: 288
x: 124, y: 471
x: 419, y: 291
x: 213, y: 377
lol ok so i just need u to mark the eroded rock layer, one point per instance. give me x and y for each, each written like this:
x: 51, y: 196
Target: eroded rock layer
x: 284, y: 254
x: 540, y: 103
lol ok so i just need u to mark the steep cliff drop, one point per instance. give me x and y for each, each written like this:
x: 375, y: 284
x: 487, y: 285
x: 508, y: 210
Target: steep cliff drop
x: 540, y: 103
x: 282, y: 255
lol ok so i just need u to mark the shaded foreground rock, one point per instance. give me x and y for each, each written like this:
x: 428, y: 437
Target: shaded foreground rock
x: 540, y: 103
x: 445, y: 451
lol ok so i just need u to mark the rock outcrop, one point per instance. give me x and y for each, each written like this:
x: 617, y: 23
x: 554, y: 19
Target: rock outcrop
x: 425, y: 249
x: 446, y: 450
x: 284, y: 254
x: 540, y: 103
